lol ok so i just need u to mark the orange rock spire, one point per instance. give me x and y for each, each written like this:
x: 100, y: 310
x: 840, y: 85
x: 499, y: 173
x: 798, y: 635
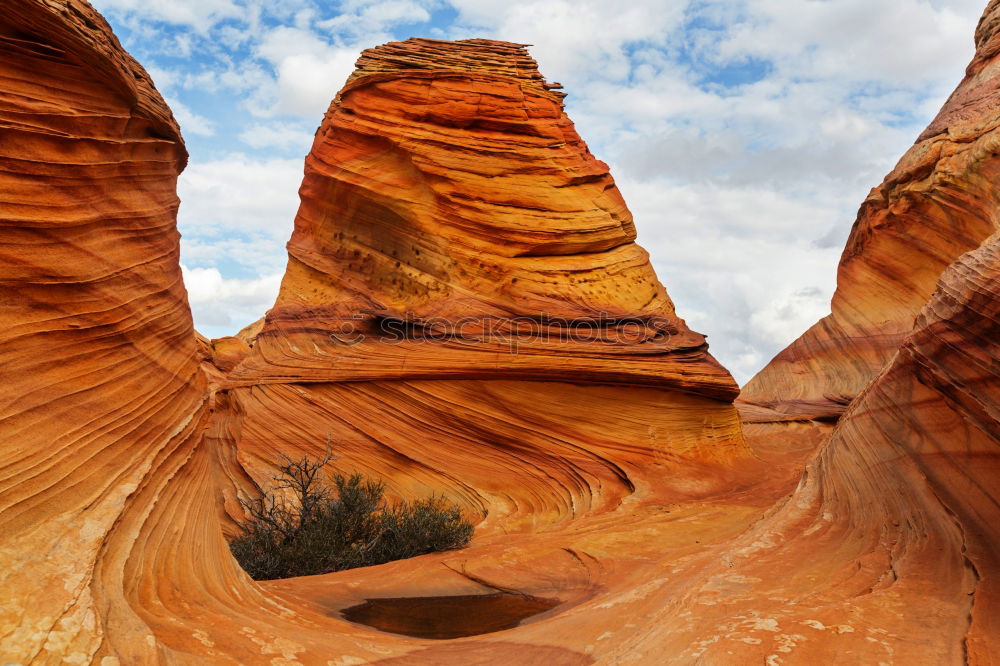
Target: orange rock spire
x: 448, y: 193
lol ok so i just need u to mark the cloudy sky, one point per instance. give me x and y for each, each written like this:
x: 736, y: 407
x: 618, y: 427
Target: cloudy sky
x: 743, y: 133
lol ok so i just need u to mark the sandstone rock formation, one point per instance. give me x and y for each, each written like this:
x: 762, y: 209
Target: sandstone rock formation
x: 447, y: 192
x: 939, y: 202
x: 450, y: 216
x: 103, y: 400
x: 886, y: 551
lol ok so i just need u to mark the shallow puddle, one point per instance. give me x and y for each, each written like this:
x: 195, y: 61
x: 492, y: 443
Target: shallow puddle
x: 448, y: 617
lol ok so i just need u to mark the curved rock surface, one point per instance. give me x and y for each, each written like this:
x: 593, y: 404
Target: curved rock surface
x: 451, y: 215
x: 455, y: 240
x: 103, y: 399
x: 886, y: 551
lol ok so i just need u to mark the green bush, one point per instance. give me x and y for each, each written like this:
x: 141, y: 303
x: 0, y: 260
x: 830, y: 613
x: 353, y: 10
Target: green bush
x: 328, y: 528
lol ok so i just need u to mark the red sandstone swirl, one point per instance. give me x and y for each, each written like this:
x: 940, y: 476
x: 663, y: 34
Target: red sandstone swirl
x: 887, y: 550
x: 102, y: 399
x: 607, y: 471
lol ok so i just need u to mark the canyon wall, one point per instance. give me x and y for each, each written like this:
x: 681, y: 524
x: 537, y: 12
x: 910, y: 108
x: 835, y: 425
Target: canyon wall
x: 103, y: 399
x: 886, y: 550
x: 939, y: 202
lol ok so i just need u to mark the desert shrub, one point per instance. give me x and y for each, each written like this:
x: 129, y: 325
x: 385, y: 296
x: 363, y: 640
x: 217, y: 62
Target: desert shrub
x: 326, y: 527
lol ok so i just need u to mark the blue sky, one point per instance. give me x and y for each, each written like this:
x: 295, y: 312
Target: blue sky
x: 743, y: 133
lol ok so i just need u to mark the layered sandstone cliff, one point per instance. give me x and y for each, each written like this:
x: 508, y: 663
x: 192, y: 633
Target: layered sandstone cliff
x: 450, y: 217
x: 939, y: 202
x: 886, y: 551
x: 117, y: 505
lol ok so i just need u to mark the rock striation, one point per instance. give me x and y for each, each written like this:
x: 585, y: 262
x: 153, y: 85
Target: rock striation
x: 886, y: 550
x: 103, y: 399
x: 898, y: 506
x: 465, y: 312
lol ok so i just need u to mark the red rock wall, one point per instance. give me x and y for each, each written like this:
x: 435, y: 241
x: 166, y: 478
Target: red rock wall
x: 886, y: 551
x: 101, y: 395
x: 897, y: 512
x: 436, y: 195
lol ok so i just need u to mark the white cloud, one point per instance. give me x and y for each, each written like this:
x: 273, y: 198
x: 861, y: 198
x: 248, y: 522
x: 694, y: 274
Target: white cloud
x: 236, y: 215
x: 311, y: 59
x: 369, y: 17
x: 165, y: 79
x: 240, y: 195
x: 308, y: 72
x: 294, y: 138
x: 573, y: 39
x: 222, y: 306
x: 307, y: 82
x: 244, y: 78
x: 190, y: 121
x: 200, y: 15
x: 890, y: 40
